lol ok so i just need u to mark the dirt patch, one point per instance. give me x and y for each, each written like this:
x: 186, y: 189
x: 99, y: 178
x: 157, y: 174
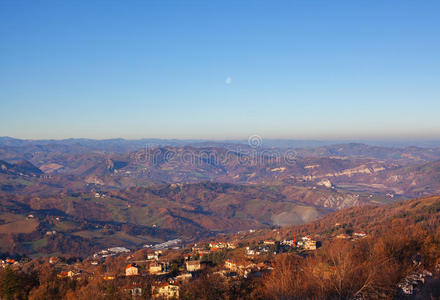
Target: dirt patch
x: 24, y: 226
x: 297, y: 216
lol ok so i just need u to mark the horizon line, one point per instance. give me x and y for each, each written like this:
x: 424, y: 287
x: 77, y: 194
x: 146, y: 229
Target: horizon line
x: 347, y: 139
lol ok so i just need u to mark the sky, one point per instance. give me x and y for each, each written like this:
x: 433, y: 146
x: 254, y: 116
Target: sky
x: 220, y: 69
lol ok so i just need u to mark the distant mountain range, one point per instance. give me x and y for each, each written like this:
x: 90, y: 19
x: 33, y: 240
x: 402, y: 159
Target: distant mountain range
x: 116, y: 192
x: 121, y: 144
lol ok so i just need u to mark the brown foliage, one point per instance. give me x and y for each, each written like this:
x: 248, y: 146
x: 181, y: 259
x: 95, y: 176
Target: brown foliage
x: 370, y: 268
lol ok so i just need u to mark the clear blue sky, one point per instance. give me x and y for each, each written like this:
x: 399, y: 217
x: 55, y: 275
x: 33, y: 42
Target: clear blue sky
x: 220, y: 69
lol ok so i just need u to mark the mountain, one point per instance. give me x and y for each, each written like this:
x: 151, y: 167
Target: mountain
x: 105, y: 197
x: 22, y: 167
x: 402, y: 156
x: 418, y: 180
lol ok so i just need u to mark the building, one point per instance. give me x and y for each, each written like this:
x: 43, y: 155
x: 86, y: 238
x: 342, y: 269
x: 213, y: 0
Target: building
x: 183, y: 277
x: 290, y: 243
x: 54, y: 260
x: 310, y: 245
x: 250, y: 252
x: 193, y: 265
x: 360, y: 234
x: 269, y: 242
x: 155, y: 268
x: 68, y: 274
x: 231, y: 265
x: 165, y: 290
x: 243, y: 268
x: 219, y: 245
x: 131, y: 270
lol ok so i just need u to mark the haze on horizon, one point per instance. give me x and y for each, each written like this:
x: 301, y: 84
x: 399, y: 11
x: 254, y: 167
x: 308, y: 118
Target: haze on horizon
x: 220, y: 70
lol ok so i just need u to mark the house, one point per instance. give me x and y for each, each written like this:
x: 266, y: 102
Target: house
x: 131, y: 270
x: 238, y: 266
x: 231, y: 265
x: 244, y: 268
x: 360, y: 234
x: 165, y: 290
x: 155, y: 268
x: 53, y: 260
x: 290, y: 243
x: 310, y: 245
x: 193, y: 265
x: 269, y: 242
x: 68, y: 274
x: 217, y: 245
x: 182, y: 277
x: 249, y: 251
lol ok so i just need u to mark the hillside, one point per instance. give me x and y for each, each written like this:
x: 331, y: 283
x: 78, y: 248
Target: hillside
x: 131, y: 216
x: 375, y: 220
x: 20, y: 168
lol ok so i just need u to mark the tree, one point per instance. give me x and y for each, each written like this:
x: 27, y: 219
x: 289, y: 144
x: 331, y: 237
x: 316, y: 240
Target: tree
x: 10, y: 283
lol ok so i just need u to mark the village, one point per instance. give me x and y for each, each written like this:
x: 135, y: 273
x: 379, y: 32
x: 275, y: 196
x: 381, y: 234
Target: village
x: 162, y: 270
x: 159, y: 270
x: 166, y: 266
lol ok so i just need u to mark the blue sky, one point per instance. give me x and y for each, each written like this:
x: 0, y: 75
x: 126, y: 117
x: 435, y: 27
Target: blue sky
x: 220, y: 69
